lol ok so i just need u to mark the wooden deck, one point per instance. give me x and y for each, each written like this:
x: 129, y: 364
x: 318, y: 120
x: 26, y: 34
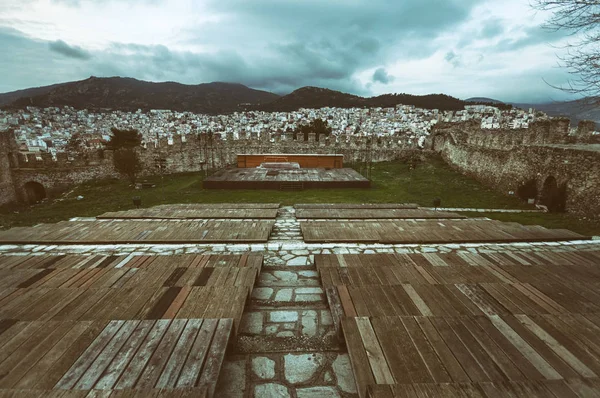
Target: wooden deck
x: 141, y: 324
x: 192, y: 212
x: 477, y: 325
x: 255, y: 178
x: 367, y: 213
x: 202, y: 206
x: 429, y: 231
x: 133, y: 231
x: 356, y: 206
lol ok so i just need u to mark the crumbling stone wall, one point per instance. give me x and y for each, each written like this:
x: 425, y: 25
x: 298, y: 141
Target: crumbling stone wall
x: 524, y: 157
x: 191, y: 154
x: 8, y: 193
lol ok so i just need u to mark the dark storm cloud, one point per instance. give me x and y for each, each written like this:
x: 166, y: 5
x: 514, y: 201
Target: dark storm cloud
x: 63, y: 48
x: 31, y: 63
x: 380, y: 75
x: 280, y: 46
x: 287, y: 45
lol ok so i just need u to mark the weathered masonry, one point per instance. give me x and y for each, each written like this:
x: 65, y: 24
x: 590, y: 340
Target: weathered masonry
x: 188, y: 154
x: 537, y: 163
x: 542, y: 162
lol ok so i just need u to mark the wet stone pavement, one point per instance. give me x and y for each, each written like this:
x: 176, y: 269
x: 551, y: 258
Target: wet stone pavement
x: 286, y: 345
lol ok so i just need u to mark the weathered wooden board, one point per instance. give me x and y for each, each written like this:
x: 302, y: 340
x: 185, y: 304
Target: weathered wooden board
x: 374, y: 213
x: 356, y: 206
x: 132, y: 231
x: 429, y: 231
x: 262, y: 178
x: 410, y: 353
x: 193, y: 212
x: 182, y: 354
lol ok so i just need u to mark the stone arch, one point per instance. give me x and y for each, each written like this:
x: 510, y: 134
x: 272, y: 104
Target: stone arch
x: 553, y: 196
x: 34, y: 192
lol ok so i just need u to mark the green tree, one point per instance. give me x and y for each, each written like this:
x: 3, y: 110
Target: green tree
x: 317, y: 126
x: 75, y: 144
x: 124, y: 144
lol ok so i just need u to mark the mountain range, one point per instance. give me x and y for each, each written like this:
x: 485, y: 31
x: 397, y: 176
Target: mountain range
x: 127, y: 94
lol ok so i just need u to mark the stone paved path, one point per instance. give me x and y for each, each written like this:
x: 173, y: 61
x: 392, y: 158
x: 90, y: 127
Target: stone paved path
x: 287, y: 346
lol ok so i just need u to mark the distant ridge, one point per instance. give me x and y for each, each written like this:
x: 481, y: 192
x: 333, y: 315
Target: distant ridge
x: 129, y: 94
x: 483, y: 100
x: 7, y: 98
x: 315, y: 97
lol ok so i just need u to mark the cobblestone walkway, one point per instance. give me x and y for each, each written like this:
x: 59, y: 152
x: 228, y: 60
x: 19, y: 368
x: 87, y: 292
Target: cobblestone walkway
x: 287, y: 346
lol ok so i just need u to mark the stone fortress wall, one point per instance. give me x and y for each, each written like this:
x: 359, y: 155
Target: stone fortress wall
x: 189, y: 154
x: 543, y: 162
x: 543, y: 157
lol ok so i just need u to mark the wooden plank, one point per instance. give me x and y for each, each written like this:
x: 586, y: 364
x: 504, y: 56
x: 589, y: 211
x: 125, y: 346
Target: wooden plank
x: 159, y: 358
x: 216, y: 354
x: 137, y: 364
x: 69, y: 380
x: 173, y: 367
x: 358, y: 357
x: 381, y: 371
x: 197, y: 356
x: 116, y: 368
x: 93, y: 373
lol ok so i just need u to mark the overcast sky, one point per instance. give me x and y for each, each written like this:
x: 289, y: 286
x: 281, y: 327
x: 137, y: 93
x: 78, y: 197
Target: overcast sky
x: 464, y: 48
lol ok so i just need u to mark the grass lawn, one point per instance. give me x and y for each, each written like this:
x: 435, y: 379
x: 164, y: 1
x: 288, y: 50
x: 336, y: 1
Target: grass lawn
x: 392, y: 182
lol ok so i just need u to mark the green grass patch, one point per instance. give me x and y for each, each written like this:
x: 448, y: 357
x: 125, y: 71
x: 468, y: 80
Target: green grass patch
x: 568, y: 221
x: 392, y: 182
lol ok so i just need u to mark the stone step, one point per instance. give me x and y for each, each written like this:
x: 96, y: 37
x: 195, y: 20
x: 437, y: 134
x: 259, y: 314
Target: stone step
x: 318, y: 305
x: 282, y: 267
x: 300, y: 283
x: 247, y: 344
x: 302, y: 375
x: 289, y: 260
x: 277, y: 296
x: 278, y: 277
x: 295, y: 323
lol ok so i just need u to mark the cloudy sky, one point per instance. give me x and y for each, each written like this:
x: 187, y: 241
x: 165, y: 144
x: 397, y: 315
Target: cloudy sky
x: 464, y: 48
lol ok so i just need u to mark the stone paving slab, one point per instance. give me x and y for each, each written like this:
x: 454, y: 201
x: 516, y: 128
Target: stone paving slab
x: 275, y: 251
x: 287, y: 295
x: 313, y: 375
x: 288, y: 323
x: 284, y: 277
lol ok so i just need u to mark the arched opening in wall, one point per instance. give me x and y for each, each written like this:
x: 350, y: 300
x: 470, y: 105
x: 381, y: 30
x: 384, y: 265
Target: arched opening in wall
x: 553, y: 196
x: 528, y: 190
x: 34, y: 192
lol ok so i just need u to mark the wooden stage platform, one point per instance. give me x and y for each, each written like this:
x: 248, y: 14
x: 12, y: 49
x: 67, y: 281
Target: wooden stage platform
x: 141, y: 325
x: 191, y: 212
x: 429, y: 231
x: 468, y: 325
x: 374, y: 213
x: 258, y: 178
x: 136, y: 231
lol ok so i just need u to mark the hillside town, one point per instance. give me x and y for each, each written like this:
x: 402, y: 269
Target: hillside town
x: 50, y: 129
